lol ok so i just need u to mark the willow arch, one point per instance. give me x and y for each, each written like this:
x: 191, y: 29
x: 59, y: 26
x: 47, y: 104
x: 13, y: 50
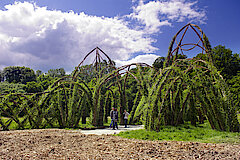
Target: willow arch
x: 184, y: 90
x: 190, y: 89
x: 175, y: 46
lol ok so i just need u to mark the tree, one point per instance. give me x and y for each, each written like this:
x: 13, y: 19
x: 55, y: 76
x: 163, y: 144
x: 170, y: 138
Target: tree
x: 158, y: 63
x: 27, y: 75
x: 224, y: 60
x: 38, y: 73
x: 1, y: 75
x: 16, y: 74
x: 44, y: 81
x: 56, y: 73
x: 41, y: 84
x: 12, y: 74
x: 87, y: 73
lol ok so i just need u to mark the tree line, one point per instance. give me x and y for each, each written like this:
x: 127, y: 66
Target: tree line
x: 23, y: 79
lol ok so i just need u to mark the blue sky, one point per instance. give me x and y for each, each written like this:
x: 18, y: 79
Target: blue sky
x: 48, y: 34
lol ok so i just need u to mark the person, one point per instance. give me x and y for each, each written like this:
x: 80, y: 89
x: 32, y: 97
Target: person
x: 111, y: 115
x: 126, y: 114
x: 115, y: 118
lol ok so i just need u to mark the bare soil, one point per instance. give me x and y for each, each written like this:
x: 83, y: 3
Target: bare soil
x: 71, y: 144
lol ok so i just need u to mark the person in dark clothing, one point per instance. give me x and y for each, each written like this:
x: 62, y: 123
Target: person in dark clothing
x: 115, y: 118
x: 111, y: 115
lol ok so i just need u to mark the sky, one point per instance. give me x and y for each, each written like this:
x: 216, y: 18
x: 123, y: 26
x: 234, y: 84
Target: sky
x: 50, y: 34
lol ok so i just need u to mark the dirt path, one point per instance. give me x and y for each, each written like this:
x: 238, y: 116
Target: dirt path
x: 111, y: 131
x: 70, y: 144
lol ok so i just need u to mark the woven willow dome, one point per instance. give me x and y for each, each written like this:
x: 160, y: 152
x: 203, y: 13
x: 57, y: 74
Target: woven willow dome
x: 190, y: 89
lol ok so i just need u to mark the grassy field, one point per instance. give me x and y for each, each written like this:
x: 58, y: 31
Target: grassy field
x: 202, y: 133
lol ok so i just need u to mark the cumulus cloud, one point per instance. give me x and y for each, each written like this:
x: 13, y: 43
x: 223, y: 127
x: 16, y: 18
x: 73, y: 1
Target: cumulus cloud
x: 147, y: 58
x: 42, y: 39
x: 155, y: 14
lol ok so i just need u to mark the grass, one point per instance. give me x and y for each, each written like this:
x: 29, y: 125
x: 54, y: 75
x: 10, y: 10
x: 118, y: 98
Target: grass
x: 88, y: 125
x: 14, y: 125
x: 202, y: 133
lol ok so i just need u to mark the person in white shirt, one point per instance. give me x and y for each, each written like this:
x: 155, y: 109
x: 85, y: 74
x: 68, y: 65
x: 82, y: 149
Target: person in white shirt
x: 126, y: 114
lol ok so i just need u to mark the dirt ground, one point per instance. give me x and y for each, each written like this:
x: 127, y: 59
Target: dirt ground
x: 70, y: 144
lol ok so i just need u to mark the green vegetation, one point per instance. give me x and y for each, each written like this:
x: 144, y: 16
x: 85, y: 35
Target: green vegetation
x: 187, y: 90
x: 6, y: 88
x: 224, y: 60
x: 13, y: 125
x: 175, y: 91
x: 16, y: 79
x: 16, y: 74
x: 203, y: 133
x: 185, y: 132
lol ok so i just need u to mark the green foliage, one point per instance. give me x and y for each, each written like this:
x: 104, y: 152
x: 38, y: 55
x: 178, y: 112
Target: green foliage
x: 86, y: 126
x: 235, y: 89
x: 42, y: 83
x: 56, y: 73
x: 38, y: 73
x: 227, y: 63
x: 16, y: 74
x: 6, y: 88
x: 235, y: 84
x: 45, y: 81
x: 13, y: 125
x: 203, y: 133
x: 87, y: 73
x: 1, y: 76
x: 189, y: 90
x: 159, y: 62
x: 182, y: 91
x: 33, y: 87
x: 201, y: 88
x: 131, y: 92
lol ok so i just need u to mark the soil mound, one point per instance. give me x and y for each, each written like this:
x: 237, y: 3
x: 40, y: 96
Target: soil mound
x: 68, y: 144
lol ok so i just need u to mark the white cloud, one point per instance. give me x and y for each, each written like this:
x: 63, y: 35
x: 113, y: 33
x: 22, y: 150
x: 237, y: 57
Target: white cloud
x: 43, y: 39
x: 147, y: 58
x: 155, y: 14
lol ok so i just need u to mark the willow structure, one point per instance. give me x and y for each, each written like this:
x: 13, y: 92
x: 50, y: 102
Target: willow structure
x: 189, y: 89
x: 87, y: 93
x: 184, y: 90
